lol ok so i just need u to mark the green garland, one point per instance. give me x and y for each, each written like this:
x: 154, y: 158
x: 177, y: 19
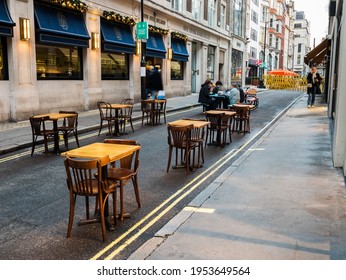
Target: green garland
x: 72, y: 4
x: 178, y: 35
x: 158, y: 30
x: 112, y: 16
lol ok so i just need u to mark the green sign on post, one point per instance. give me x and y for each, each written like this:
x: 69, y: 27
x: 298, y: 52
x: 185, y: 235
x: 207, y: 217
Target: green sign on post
x: 142, y: 31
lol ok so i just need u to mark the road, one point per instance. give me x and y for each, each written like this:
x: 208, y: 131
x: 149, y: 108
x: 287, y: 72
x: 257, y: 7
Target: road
x: 35, y: 200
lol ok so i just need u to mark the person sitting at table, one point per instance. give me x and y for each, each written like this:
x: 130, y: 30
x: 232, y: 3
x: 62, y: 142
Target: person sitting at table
x: 241, y: 94
x: 218, y: 87
x: 204, y: 95
x: 232, y: 96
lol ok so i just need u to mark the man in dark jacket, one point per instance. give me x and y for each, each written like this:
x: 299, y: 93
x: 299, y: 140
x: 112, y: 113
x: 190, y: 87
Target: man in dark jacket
x: 204, y: 95
x: 314, y: 80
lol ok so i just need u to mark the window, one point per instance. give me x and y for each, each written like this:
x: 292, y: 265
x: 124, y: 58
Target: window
x: 276, y: 61
x: 253, y: 52
x: 223, y: 16
x: 270, y: 62
x: 177, y: 5
x: 253, y: 35
x: 237, y: 66
x: 211, y: 12
x: 297, y: 25
x: 211, y: 62
x: 114, y: 66
x: 3, y: 59
x: 254, y: 16
x: 271, y: 40
x: 63, y: 63
x: 299, y: 48
x: 299, y: 58
x: 177, y: 70
x: 264, y: 14
x: 196, y: 9
x: 237, y: 17
x: 277, y: 43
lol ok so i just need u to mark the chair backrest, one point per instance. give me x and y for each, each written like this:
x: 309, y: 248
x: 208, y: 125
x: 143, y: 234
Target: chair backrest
x: 127, y: 112
x: 70, y: 122
x: 179, y: 136
x: 38, y: 125
x: 127, y: 162
x: 145, y: 105
x: 242, y: 112
x: 80, y: 175
x: 105, y: 109
x: 127, y: 101
x: 214, y: 119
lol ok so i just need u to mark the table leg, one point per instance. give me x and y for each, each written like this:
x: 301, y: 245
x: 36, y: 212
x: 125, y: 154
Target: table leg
x: 56, y: 137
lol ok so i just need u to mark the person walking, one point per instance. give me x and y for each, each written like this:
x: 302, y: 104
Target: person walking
x: 314, y: 80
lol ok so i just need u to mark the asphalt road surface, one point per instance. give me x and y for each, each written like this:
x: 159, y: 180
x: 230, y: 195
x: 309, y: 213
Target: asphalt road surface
x: 35, y: 200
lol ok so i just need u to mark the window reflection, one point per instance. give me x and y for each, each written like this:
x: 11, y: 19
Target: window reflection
x: 177, y: 70
x: 58, y: 62
x: 114, y: 66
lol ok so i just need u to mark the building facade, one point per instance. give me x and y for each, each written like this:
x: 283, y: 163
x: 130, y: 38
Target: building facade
x: 78, y: 53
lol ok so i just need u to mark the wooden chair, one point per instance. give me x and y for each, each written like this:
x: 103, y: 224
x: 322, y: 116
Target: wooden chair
x: 161, y: 110
x: 126, y: 115
x: 81, y: 182
x: 217, y: 126
x: 179, y: 138
x: 241, y: 121
x: 105, y: 110
x: 69, y: 126
x: 126, y: 172
x: 146, y: 111
x: 38, y: 129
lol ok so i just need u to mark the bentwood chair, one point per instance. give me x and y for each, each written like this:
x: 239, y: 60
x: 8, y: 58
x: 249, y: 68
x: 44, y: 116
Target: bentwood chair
x: 241, y: 121
x: 126, y: 172
x: 81, y: 182
x: 216, y: 127
x: 105, y: 110
x: 69, y: 126
x: 179, y: 139
x: 161, y: 110
x: 126, y: 115
x: 38, y: 129
x: 146, y: 108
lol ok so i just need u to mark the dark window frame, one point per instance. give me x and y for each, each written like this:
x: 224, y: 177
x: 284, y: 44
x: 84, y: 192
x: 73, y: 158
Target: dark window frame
x: 182, y: 66
x: 127, y: 64
x: 4, y: 76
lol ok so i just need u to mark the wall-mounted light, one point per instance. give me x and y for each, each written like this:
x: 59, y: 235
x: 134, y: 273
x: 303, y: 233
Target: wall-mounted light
x: 24, y: 27
x: 169, y: 54
x: 138, y: 50
x: 95, y: 41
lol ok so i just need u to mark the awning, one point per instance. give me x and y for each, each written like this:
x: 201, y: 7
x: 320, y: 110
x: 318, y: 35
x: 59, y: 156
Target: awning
x: 6, y: 22
x: 60, y: 27
x: 117, y: 38
x: 179, y: 50
x: 155, y: 46
x: 317, y: 55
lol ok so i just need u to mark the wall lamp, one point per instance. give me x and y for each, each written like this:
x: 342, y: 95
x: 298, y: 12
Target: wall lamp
x: 24, y: 27
x: 170, y: 54
x: 138, y: 50
x: 95, y: 41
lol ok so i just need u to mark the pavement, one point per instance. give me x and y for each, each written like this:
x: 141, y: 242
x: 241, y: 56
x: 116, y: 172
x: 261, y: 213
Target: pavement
x: 282, y: 199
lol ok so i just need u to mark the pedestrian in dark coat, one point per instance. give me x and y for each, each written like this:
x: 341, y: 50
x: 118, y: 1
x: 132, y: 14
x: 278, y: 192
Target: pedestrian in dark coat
x: 314, y: 80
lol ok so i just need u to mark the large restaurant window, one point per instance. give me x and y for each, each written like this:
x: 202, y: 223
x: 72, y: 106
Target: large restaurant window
x: 237, y: 63
x: 115, y: 66
x: 211, y: 62
x: 177, y: 70
x: 3, y: 59
x: 58, y: 63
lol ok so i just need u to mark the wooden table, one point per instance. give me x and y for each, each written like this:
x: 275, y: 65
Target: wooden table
x: 154, y: 103
x: 228, y: 116
x: 117, y: 107
x: 98, y: 150
x: 197, y: 136
x: 55, y: 117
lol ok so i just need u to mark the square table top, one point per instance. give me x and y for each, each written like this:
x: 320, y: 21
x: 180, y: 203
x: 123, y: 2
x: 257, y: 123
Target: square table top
x: 195, y: 123
x: 56, y: 116
x: 226, y: 112
x: 98, y: 150
x: 120, y: 105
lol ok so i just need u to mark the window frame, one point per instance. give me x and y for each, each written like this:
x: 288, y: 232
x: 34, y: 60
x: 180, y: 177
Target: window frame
x: 127, y: 66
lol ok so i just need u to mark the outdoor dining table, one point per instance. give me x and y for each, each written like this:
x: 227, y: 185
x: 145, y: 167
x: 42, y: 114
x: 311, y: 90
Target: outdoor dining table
x: 199, y: 125
x: 117, y: 107
x: 55, y: 117
x: 98, y: 150
x: 154, y: 103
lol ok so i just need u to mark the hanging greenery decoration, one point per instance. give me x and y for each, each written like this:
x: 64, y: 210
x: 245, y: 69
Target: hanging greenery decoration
x: 112, y: 16
x: 158, y: 30
x: 178, y: 35
x: 72, y: 4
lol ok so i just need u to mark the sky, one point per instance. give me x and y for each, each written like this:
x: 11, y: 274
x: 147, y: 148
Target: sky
x: 316, y: 11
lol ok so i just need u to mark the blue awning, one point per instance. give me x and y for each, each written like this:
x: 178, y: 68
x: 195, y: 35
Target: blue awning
x: 60, y: 27
x: 117, y: 37
x: 155, y: 46
x: 179, y: 50
x: 6, y: 22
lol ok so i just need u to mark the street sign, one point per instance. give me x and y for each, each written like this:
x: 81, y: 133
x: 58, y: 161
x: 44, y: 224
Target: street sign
x: 142, y: 31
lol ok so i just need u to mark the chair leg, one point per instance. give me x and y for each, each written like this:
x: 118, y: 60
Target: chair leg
x: 102, y: 214
x: 131, y: 125
x: 65, y: 135
x: 71, y: 215
x: 135, y: 186
x: 115, y: 207
x: 121, y: 188
x: 100, y: 127
x: 169, y: 157
x: 76, y: 136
